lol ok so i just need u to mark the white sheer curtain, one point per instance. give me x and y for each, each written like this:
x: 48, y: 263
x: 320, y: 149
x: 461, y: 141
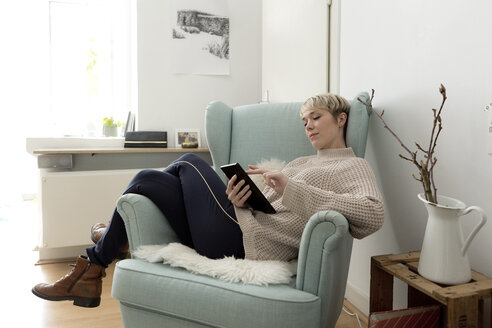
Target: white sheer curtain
x: 42, y: 93
x: 24, y: 86
x: 90, y: 66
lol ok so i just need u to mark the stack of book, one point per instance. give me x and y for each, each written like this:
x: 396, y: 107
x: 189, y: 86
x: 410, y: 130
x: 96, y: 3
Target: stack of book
x: 146, y: 139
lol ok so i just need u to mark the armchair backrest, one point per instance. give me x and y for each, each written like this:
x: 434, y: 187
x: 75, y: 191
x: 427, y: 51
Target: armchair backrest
x: 250, y: 133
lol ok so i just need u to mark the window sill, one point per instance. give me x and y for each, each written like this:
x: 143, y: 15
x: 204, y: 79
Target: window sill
x: 73, y: 143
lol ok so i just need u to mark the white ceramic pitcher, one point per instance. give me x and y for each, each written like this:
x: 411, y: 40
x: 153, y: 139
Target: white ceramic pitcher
x: 443, y: 258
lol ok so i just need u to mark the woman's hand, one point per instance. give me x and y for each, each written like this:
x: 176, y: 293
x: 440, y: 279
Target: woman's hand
x: 253, y: 169
x: 236, y: 196
x: 276, y: 180
x: 273, y: 178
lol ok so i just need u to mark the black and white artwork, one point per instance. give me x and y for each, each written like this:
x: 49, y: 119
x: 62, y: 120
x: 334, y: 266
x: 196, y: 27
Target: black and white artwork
x: 200, y: 36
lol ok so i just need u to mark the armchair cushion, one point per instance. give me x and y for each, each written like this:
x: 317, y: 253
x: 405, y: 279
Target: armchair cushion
x: 176, y: 293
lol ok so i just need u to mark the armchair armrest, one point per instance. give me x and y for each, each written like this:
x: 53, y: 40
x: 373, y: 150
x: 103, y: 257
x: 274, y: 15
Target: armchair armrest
x: 324, y: 258
x: 144, y: 222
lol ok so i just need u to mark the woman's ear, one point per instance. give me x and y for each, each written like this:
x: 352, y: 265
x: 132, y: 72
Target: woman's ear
x: 342, y: 119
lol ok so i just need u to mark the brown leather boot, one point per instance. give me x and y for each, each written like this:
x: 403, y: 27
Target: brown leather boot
x: 83, y: 285
x: 97, y: 230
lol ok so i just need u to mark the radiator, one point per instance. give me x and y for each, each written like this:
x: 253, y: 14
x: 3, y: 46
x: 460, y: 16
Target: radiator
x: 71, y: 202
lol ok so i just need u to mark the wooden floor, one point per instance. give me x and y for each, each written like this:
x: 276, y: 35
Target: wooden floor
x: 44, y: 314
x: 18, y: 274
x: 22, y: 309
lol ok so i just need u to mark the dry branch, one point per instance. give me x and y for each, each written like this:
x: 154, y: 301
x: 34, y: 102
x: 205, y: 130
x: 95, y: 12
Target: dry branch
x: 426, y: 173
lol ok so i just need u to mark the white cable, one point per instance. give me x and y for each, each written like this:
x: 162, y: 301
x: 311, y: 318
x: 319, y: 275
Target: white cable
x: 352, y: 314
x: 210, y: 189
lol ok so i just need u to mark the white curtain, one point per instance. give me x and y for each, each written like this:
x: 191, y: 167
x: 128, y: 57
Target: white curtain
x: 24, y: 88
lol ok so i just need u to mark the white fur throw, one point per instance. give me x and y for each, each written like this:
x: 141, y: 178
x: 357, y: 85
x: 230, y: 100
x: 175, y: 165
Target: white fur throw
x: 271, y: 164
x: 229, y: 268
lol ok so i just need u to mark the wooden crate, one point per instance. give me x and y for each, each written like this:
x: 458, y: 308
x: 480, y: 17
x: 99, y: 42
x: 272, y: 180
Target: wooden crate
x: 462, y: 305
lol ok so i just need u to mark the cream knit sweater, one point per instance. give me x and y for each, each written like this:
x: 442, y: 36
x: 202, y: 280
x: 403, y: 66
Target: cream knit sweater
x: 334, y: 179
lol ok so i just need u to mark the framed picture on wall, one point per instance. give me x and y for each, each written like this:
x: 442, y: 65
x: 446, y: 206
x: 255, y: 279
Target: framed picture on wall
x: 186, y: 136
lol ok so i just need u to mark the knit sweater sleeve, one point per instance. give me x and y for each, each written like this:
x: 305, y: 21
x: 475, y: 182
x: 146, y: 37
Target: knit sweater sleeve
x: 350, y: 190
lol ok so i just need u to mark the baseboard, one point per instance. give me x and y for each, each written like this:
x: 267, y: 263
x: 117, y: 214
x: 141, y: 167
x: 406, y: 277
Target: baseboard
x: 53, y: 261
x: 358, y: 299
x: 60, y: 253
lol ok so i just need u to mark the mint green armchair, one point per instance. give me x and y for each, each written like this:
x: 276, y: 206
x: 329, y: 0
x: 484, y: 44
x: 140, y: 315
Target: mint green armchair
x: 157, y: 295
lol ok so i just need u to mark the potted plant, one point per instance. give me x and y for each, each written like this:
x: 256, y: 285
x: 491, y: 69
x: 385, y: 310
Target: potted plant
x: 110, y: 128
x: 443, y: 258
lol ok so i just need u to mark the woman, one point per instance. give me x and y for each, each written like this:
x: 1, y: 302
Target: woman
x: 214, y: 218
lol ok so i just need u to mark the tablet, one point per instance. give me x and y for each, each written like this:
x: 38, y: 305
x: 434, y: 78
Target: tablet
x: 257, y: 200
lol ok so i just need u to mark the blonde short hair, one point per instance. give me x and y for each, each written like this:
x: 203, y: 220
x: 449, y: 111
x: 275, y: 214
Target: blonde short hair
x: 331, y: 102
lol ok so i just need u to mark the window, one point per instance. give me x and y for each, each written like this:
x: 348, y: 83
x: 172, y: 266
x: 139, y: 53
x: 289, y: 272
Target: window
x: 89, y: 64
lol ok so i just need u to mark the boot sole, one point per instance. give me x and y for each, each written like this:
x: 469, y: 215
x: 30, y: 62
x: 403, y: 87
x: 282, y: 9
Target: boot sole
x: 78, y: 301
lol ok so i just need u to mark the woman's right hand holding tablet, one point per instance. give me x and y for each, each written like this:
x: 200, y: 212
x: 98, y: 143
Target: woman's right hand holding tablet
x: 235, y: 194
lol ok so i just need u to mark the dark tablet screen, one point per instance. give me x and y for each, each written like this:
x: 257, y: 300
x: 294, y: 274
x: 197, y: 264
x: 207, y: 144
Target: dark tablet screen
x: 257, y: 200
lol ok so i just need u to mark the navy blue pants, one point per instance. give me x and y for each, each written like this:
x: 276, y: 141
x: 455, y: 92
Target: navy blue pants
x: 188, y: 204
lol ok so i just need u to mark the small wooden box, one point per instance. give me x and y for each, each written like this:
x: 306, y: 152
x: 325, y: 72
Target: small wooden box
x: 462, y: 305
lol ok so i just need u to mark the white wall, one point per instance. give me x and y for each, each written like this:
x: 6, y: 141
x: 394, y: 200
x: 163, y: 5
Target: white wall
x: 404, y: 50
x: 167, y: 100
x: 294, y: 49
